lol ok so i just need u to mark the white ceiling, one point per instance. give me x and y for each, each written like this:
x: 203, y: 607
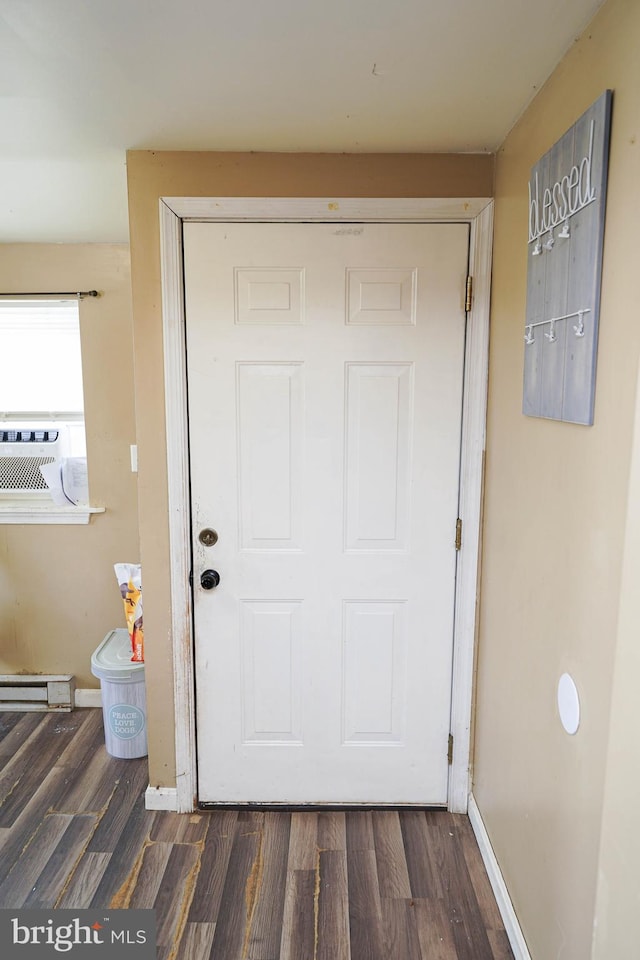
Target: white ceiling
x: 82, y: 81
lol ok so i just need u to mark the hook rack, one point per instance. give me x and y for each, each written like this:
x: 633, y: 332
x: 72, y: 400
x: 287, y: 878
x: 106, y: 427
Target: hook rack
x: 551, y: 336
x: 563, y: 234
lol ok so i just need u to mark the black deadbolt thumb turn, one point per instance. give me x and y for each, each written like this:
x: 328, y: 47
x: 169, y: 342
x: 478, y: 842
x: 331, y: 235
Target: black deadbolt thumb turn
x: 209, y: 579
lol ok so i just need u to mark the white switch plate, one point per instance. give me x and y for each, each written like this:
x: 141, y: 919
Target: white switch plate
x: 134, y: 457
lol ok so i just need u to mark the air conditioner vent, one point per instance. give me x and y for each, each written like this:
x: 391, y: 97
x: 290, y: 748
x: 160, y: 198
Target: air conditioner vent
x: 27, y: 435
x: 25, y: 446
x: 22, y: 473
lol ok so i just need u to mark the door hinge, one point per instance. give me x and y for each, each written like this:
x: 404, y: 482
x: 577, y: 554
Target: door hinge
x: 468, y: 298
x: 450, y: 750
x: 190, y: 578
x: 458, y: 534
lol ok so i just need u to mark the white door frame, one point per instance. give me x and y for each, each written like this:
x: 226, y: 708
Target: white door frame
x: 478, y: 213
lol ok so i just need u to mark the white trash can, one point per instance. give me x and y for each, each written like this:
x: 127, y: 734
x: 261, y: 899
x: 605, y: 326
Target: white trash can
x: 124, y: 703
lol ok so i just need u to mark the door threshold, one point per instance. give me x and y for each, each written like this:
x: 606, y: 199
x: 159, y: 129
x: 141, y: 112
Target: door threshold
x: 316, y: 807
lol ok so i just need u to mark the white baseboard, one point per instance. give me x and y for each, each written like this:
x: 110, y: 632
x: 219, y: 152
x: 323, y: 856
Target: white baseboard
x: 505, y: 906
x: 161, y: 798
x: 88, y: 698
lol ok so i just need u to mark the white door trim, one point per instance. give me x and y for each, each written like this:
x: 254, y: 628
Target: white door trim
x: 478, y: 212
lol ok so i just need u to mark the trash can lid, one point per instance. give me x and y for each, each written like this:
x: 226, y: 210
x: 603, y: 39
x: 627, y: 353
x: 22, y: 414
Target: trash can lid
x: 112, y: 659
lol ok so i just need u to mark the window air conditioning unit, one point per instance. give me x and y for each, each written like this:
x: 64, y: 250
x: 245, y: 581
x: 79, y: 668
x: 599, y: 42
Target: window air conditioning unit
x: 27, y: 445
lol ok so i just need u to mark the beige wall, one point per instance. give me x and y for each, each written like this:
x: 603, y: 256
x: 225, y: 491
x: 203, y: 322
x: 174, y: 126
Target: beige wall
x: 58, y: 593
x: 153, y: 175
x: 554, y: 530
x: 617, y: 918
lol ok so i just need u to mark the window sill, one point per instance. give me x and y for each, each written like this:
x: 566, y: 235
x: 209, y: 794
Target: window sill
x: 23, y: 512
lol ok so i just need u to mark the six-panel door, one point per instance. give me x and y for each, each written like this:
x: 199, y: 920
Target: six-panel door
x: 325, y: 367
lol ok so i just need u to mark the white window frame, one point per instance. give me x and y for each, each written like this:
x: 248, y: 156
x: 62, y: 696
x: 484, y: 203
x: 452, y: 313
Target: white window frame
x: 38, y: 509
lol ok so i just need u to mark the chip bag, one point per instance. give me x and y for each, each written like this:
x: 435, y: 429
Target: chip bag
x: 129, y: 576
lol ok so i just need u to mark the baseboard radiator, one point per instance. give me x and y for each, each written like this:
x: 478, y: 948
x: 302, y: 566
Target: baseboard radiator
x: 23, y: 692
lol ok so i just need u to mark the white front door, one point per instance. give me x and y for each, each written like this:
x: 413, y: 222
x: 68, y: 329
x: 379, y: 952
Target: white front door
x: 325, y: 370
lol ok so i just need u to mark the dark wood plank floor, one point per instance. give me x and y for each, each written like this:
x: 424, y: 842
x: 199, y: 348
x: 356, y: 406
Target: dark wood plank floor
x: 229, y: 885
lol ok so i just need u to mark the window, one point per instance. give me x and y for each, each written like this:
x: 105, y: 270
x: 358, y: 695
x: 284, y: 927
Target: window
x: 40, y: 361
x: 41, y: 412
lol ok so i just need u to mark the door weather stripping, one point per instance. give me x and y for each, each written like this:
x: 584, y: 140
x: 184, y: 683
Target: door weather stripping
x: 458, y: 534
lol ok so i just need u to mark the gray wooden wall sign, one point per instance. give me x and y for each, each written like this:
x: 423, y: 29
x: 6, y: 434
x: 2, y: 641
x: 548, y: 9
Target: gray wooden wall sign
x: 567, y: 194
